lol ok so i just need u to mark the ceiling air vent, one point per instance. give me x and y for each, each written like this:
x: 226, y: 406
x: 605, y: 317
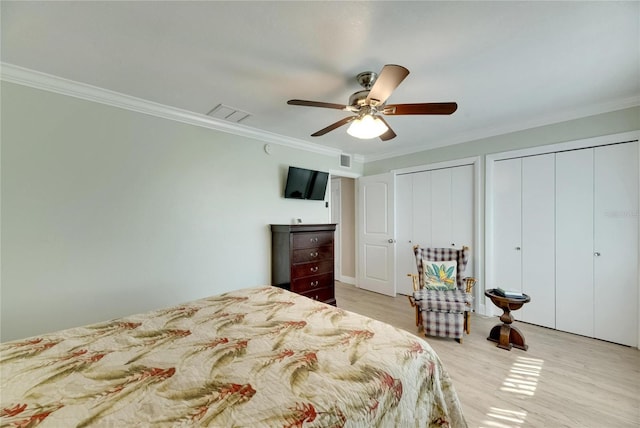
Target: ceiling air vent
x: 230, y: 114
x: 345, y: 161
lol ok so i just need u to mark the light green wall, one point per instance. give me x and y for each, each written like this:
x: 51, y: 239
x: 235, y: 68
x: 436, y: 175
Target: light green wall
x: 107, y: 212
x: 593, y: 126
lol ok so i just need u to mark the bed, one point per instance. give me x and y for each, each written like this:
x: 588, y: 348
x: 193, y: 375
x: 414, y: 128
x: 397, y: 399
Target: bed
x: 256, y: 357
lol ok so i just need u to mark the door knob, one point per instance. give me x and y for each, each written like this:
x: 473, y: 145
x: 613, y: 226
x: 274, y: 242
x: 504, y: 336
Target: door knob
x: 391, y: 241
x: 517, y: 248
x: 597, y: 254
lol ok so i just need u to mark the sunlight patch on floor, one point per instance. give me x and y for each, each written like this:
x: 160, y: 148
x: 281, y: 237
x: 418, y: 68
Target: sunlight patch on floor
x: 503, y: 418
x: 523, y: 376
x: 522, y: 380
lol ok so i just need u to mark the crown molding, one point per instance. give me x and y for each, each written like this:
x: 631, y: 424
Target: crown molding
x: 26, y: 77
x: 38, y: 80
x: 563, y: 116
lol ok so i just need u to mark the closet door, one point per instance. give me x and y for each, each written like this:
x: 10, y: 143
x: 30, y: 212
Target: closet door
x: 441, y: 222
x: 462, y: 204
x: 507, y: 215
x: 462, y: 210
x: 404, y: 233
x: 423, y: 196
x: 616, y: 243
x: 574, y: 242
x: 538, y: 239
x: 434, y: 209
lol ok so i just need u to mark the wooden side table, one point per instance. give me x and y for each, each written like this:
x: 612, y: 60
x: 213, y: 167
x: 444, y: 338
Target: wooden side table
x: 504, y: 334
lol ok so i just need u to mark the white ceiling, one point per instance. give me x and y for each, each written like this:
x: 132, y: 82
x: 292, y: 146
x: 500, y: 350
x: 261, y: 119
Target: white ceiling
x: 508, y: 65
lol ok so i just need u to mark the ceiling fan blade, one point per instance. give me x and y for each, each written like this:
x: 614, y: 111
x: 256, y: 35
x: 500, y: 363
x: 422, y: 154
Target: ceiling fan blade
x: 421, y: 108
x: 316, y: 104
x: 389, y: 134
x: 333, y: 126
x: 390, y: 77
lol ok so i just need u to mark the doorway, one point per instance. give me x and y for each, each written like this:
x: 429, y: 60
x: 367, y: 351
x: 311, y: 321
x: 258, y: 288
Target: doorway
x: 343, y: 213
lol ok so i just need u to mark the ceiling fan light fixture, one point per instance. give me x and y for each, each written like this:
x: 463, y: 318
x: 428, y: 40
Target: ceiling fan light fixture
x: 367, y: 127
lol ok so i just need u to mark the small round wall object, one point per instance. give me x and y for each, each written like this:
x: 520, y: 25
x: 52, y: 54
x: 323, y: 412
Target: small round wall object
x: 267, y: 149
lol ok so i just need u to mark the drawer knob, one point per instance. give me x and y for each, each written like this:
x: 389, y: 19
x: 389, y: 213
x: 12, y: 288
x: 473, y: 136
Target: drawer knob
x: 314, y: 269
x: 314, y: 283
x: 314, y: 239
x: 314, y: 254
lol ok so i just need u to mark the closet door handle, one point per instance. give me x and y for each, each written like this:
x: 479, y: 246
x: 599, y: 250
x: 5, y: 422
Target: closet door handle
x: 517, y: 248
x: 597, y: 254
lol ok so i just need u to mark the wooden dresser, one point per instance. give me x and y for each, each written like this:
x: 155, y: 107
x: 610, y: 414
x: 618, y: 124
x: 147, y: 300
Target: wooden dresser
x: 302, y: 259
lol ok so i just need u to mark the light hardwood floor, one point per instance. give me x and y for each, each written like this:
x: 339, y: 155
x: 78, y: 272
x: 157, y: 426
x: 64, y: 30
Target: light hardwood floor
x: 563, y: 380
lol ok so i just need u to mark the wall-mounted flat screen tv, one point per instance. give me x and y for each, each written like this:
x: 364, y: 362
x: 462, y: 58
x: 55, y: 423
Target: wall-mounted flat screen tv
x: 306, y: 184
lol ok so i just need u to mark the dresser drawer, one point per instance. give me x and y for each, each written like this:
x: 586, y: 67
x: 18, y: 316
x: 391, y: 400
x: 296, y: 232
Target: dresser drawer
x: 310, y: 283
x: 313, y: 254
x: 312, y: 239
x: 325, y: 295
x: 311, y: 268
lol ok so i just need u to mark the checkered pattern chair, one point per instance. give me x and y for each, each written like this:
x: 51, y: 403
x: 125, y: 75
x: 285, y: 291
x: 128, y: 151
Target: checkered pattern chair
x: 443, y: 313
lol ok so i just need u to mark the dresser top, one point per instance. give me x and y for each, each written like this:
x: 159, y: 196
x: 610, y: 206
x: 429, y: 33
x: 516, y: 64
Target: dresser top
x: 302, y: 227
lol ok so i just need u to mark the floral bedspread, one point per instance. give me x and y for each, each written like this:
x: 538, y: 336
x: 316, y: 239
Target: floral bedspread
x: 258, y: 357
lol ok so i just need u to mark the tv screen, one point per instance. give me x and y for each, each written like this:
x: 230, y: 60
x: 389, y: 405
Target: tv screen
x: 306, y: 184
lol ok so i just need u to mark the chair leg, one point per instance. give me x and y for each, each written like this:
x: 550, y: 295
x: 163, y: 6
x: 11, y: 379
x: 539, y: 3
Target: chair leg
x: 467, y: 322
x: 415, y: 305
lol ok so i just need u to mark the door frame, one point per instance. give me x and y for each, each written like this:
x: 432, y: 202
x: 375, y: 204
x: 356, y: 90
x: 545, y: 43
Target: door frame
x: 336, y: 208
x: 336, y: 173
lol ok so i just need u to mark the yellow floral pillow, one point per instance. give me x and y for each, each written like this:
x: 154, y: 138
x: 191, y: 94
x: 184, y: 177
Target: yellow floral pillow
x: 439, y: 275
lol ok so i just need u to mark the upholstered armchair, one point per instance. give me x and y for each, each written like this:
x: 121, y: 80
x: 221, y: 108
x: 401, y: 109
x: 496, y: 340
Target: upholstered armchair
x: 442, y: 295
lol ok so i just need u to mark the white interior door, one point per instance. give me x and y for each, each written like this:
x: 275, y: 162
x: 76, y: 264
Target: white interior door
x: 574, y: 242
x: 616, y: 243
x: 441, y: 221
x: 462, y: 210
x: 421, y: 215
x: 405, y: 262
x: 538, y: 240
x: 507, y: 220
x: 376, y: 237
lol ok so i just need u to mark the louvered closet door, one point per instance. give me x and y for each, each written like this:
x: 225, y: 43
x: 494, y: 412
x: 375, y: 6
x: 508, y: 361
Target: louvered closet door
x: 507, y: 218
x: 616, y: 242
x: 574, y: 242
x: 538, y: 240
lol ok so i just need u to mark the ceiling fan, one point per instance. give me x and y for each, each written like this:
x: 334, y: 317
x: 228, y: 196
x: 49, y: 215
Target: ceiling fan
x: 369, y: 104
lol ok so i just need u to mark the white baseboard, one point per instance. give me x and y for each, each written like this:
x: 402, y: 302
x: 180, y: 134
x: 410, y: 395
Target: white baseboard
x: 347, y: 280
x: 482, y: 310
